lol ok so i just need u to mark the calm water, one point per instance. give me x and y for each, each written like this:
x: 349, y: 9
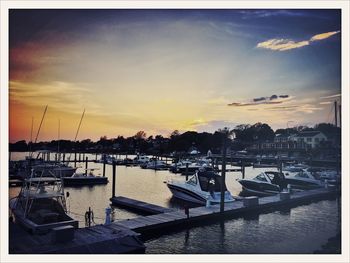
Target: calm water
x: 302, y: 229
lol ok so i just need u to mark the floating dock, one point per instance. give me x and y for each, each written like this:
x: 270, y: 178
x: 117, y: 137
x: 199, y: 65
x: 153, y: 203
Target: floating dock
x: 139, y: 206
x: 169, y: 220
x: 100, y: 239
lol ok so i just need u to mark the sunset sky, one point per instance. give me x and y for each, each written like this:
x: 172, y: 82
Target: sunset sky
x: 162, y: 70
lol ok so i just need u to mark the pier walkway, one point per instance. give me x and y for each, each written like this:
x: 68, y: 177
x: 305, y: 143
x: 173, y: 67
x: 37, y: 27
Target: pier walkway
x: 139, y: 206
x: 168, y: 220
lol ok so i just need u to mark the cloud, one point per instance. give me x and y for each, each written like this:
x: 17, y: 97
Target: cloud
x: 323, y: 36
x: 303, y: 108
x: 326, y: 102
x: 271, y: 13
x: 281, y: 44
x: 274, y: 99
x: 331, y: 96
x: 288, y: 44
x: 259, y: 99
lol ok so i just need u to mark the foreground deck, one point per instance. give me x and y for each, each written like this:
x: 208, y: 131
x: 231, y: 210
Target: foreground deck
x: 101, y: 239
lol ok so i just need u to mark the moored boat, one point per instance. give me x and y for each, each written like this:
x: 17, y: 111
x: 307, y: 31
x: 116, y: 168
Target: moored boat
x: 40, y: 205
x: 264, y: 184
x: 88, y: 178
x: 200, y: 188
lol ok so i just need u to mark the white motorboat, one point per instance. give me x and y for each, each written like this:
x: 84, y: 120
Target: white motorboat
x: 87, y: 178
x: 140, y: 159
x: 155, y: 165
x: 203, y: 186
x: 40, y: 205
x: 303, y: 180
x: 264, y: 184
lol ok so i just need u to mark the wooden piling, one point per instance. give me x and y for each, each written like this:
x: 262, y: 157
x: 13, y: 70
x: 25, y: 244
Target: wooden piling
x: 186, y: 171
x: 243, y: 169
x: 104, y: 166
x: 75, y: 159
x: 86, y: 165
x: 114, y: 177
x: 223, y: 177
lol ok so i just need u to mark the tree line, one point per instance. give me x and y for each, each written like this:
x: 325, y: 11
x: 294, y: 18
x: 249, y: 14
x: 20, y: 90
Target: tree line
x: 239, y: 138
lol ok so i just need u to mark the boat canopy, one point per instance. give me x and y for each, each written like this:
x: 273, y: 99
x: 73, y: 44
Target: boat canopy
x: 210, y: 181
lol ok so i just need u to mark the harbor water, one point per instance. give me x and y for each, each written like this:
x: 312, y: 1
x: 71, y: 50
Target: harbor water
x: 298, y: 230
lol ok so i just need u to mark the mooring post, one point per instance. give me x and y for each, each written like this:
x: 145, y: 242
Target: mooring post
x: 223, y: 175
x: 113, y: 181
x: 243, y: 169
x: 96, y: 157
x: 280, y: 165
x: 186, y: 171
x: 63, y: 157
x: 86, y: 165
x: 104, y: 165
x: 75, y: 159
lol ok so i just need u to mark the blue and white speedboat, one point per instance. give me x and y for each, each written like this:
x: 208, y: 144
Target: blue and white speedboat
x: 203, y: 186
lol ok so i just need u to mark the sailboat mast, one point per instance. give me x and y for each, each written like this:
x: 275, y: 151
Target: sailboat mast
x: 76, y: 135
x: 31, y: 136
x: 58, y: 141
x: 41, y: 122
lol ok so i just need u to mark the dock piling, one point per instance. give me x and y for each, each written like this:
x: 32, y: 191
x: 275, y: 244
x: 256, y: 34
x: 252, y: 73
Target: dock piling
x: 243, y: 169
x: 113, y: 181
x: 104, y: 166
x: 86, y: 165
x: 186, y: 171
x: 223, y: 175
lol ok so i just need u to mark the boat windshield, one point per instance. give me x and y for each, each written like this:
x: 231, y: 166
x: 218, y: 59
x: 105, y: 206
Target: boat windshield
x: 261, y: 177
x: 192, y: 180
x: 302, y: 175
x: 209, y: 181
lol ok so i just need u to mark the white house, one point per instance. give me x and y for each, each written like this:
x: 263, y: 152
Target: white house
x: 311, y: 138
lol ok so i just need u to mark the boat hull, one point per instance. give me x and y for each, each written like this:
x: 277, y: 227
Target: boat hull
x: 184, y: 194
x: 76, y: 181
x: 259, y: 188
x: 193, y: 197
x: 302, y: 184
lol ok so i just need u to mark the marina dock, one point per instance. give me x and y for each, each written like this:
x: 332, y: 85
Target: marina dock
x: 139, y: 206
x: 100, y: 239
x: 169, y: 220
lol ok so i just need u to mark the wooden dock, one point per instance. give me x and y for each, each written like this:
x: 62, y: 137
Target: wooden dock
x: 100, y: 239
x: 169, y: 220
x: 139, y: 206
